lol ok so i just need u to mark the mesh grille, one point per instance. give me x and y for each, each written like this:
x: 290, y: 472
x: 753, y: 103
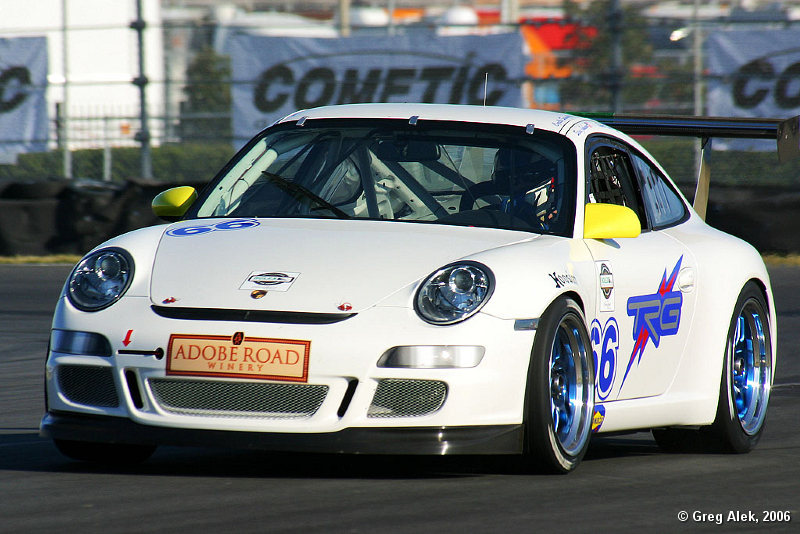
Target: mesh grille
x: 237, y: 399
x: 407, y: 398
x: 88, y: 384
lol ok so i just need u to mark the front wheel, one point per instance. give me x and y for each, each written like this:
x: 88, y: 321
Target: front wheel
x: 560, y: 391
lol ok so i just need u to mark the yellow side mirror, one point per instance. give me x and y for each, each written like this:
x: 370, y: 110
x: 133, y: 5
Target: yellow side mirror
x: 609, y: 221
x: 172, y: 204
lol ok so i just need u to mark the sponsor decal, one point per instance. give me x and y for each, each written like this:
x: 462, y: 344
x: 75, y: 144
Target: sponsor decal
x: 560, y: 120
x: 271, y: 279
x: 307, y: 87
x: 605, y: 347
x: 598, y: 417
x: 258, y: 294
x: 580, y: 128
x: 606, y: 281
x: 268, y: 280
x: 303, y: 73
x: 606, y: 286
x: 23, y: 107
x: 655, y: 315
x: 18, y: 79
x: 562, y: 280
x: 200, y: 229
x: 755, y: 72
x: 238, y: 356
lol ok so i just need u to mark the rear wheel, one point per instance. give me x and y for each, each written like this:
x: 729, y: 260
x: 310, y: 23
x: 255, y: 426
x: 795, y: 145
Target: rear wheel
x: 560, y: 391
x: 746, y: 375
x: 104, y: 453
x: 744, y: 387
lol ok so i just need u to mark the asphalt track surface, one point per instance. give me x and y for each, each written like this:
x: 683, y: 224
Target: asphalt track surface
x: 626, y: 484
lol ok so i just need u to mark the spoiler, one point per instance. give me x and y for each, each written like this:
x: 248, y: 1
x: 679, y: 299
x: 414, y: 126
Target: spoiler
x: 785, y: 132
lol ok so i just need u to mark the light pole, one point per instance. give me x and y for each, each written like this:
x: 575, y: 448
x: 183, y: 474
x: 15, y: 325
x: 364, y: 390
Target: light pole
x: 615, y: 26
x: 66, y: 155
x: 696, y: 31
x: 702, y: 147
x: 509, y: 11
x: 143, y: 135
x: 697, y: 48
x: 697, y: 79
x: 344, y: 18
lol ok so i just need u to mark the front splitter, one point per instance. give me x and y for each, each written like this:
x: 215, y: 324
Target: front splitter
x: 489, y: 439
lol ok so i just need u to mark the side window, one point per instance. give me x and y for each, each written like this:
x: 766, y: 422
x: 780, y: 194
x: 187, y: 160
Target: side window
x: 663, y: 205
x: 612, y: 180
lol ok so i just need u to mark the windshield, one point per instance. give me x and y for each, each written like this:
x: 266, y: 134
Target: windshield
x: 434, y: 172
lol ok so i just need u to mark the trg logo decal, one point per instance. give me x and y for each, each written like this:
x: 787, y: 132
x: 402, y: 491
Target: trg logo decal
x: 655, y: 315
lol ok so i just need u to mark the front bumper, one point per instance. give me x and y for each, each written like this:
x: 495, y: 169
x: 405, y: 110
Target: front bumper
x: 490, y: 439
x: 133, y: 382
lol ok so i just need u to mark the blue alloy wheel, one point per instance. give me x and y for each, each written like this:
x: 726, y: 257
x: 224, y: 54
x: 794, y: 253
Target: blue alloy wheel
x: 560, y: 391
x: 569, y: 387
x: 751, y: 368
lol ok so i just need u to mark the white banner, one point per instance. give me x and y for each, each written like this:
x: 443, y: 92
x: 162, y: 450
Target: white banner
x: 274, y: 76
x: 23, y: 108
x: 754, y: 73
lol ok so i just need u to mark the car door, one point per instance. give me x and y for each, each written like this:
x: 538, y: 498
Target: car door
x: 645, y: 285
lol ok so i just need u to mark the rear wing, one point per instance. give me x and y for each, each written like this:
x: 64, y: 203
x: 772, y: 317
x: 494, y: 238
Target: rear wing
x: 785, y: 132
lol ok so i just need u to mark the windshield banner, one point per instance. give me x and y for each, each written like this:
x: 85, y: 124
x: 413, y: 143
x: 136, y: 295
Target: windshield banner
x: 275, y: 76
x: 23, y: 109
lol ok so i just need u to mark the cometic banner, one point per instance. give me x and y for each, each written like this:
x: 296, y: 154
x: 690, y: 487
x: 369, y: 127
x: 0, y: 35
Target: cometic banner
x: 275, y: 76
x: 23, y: 108
x: 754, y: 73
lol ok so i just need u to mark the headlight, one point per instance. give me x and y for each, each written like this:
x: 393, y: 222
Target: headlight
x: 100, y: 279
x: 454, y: 292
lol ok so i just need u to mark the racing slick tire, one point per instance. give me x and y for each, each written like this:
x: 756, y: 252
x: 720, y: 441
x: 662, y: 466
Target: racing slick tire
x: 560, y: 391
x: 104, y: 453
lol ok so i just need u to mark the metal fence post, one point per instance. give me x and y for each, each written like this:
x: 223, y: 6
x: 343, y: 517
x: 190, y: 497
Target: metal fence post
x: 64, y: 115
x: 143, y: 135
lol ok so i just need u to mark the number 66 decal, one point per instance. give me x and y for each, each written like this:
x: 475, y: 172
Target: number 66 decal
x: 605, y: 345
x: 236, y: 224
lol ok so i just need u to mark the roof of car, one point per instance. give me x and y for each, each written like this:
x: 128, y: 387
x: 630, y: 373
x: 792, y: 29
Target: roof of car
x: 546, y: 120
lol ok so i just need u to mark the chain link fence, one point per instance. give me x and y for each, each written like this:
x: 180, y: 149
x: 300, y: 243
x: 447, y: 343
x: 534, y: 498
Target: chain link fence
x: 657, y: 76
x: 191, y: 139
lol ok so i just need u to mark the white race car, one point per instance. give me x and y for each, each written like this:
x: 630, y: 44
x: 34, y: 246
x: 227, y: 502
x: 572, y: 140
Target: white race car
x: 419, y: 279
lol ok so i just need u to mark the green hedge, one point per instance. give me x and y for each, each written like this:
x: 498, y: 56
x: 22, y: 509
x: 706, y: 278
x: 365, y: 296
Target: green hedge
x: 174, y: 163
x: 198, y: 163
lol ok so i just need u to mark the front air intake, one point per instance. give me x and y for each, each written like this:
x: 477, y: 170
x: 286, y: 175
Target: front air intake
x: 237, y: 399
x: 90, y: 385
x: 397, y: 397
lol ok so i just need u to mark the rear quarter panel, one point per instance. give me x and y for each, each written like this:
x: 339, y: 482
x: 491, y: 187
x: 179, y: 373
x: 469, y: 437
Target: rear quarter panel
x: 724, y: 265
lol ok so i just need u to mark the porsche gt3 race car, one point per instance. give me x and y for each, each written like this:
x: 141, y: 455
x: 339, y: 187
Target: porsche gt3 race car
x: 419, y: 279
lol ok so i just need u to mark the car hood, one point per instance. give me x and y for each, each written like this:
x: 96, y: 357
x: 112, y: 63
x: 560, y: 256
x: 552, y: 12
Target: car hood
x: 305, y: 265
